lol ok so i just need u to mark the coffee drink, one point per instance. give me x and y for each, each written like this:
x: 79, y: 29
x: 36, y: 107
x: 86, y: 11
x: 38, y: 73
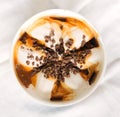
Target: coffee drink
x: 55, y: 57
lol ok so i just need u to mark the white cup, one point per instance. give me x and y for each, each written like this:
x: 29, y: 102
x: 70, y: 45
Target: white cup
x: 81, y: 93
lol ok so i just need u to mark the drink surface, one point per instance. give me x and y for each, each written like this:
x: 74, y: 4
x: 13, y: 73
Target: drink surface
x: 57, y: 57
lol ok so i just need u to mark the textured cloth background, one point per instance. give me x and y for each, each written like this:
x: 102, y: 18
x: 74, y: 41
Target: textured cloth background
x: 105, y: 101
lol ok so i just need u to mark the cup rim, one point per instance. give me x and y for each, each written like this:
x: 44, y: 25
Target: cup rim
x: 66, y: 13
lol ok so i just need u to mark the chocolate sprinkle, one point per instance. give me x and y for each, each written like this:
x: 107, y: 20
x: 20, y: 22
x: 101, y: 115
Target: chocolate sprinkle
x: 69, y: 42
x: 30, y: 56
x: 52, y: 32
x: 27, y: 62
x: 53, y: 40
x: 37, y: 58
x: 33, y: 63
x: 51, y: 46
x: 47, y: 38
x: 59, y: 48
x: 37, y: 65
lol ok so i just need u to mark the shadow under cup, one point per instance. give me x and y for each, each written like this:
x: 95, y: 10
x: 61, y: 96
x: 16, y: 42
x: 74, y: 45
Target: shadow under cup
x: 58, y: 57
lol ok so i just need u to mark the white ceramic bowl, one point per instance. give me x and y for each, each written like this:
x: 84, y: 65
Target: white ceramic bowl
x: 81, y: 94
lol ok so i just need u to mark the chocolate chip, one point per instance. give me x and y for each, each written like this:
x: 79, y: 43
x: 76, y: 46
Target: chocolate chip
x: 27, y: 62
x: 53, y: 40
x: 45, y: 59
x: 30, y: 56
x: 37, y: 65
x: 47, y: 38
x: 31, y: 50
x: 59, y: 48
x: 24, y: 37
x: 37, y: 45
x: 69, y: 42
x: 67, y: 51
x: 40, y: 62
x: 61, y: 40
x: 42, y: 57
x: 37, y: 58
x: 33, y: 63
x: 61, y: 26
x: 51, y: 46
x: 52, y: 33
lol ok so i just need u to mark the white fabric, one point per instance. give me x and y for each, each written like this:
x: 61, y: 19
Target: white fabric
x: 105, y: 101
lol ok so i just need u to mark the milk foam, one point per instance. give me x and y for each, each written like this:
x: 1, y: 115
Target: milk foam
x: 43, y: 85
x: 23, y: 56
